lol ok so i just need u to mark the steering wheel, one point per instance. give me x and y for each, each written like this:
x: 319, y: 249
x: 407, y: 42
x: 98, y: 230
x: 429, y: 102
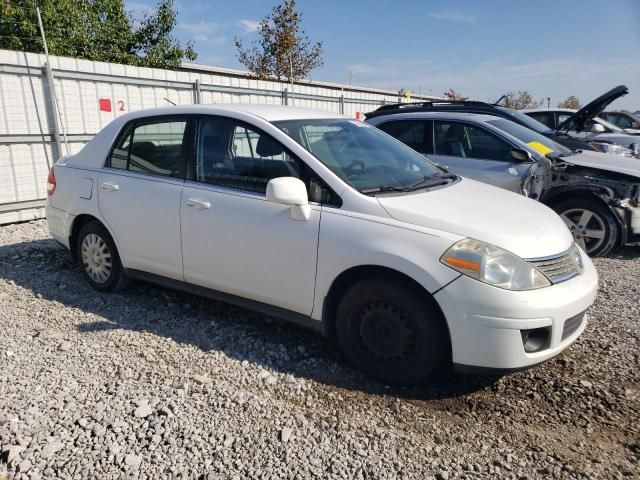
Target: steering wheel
x: 349, y: 169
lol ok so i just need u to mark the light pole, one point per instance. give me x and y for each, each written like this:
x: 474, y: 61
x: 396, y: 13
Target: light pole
x: 291, y: 75
x: 351, y: 74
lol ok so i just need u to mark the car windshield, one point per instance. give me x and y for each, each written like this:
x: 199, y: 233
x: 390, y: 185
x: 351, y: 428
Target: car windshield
x: 524, y: 119
x: 539, y: 143
x: 363, y: 156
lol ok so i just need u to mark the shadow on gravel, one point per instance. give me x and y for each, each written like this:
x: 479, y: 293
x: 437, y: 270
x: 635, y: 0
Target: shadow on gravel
x: 45, y: 269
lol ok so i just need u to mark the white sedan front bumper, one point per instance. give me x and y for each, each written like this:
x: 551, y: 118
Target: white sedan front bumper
x: 486, y: 323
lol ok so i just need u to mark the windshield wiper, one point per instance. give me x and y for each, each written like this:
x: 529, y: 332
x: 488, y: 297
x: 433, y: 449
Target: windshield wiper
x: 384, y: 188
x: 432, y: 180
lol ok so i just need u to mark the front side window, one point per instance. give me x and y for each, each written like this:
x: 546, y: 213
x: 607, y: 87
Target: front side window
x: 468, y: 141
x: 156, y: 148
x: 363, y: 156
x: 235, y: 155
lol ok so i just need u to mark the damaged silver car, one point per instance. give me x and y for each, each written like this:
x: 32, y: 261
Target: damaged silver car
x: 597, y: 195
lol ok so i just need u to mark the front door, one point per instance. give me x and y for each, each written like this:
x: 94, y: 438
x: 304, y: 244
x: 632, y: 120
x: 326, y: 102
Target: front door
x: 476, y: 153
x: 233, y: 239
x: 139, y: 194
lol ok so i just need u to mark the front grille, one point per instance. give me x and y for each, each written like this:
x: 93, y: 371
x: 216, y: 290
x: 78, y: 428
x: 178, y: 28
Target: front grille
x: 571, y: 325
x: 558, y: 269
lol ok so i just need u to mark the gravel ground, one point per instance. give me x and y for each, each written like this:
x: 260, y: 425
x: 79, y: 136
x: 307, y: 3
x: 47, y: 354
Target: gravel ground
x: 150, y: 383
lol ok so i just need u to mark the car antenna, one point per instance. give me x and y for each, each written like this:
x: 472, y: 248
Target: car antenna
x: 172, y: 103
x: 500, y: 99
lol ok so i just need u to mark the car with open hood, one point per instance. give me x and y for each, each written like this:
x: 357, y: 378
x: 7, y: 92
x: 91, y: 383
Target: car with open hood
x: 595, y: 194
x: 586, y: 125
x: 329, y: 223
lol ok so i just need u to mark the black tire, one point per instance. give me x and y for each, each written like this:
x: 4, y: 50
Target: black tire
x: 602, y: 218
x: 391, y: 332
x: 100, y: 240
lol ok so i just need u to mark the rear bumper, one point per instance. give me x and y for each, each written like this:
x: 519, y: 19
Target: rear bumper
x: 59, y: 223
x: 486, y: 322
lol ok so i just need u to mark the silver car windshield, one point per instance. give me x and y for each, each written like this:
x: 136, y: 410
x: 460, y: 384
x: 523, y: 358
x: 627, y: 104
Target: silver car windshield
x: 363, y: 156
x: 539, y: 143
x: 524, y: 119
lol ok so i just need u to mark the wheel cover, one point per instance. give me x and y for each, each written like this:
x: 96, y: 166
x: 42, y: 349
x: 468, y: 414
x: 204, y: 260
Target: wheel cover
x: 96, y: 258
x: 385, y: 331
x: 586, y: 226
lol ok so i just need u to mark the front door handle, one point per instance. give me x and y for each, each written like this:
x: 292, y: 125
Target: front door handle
x: 111, y: 187
x: 199, y: 204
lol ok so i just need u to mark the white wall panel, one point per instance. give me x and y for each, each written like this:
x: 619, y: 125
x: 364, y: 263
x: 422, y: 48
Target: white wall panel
x: 26, y: 109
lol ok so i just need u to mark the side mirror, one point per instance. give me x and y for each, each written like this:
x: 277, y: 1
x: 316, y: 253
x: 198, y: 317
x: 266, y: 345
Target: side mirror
x: 597, y: 128
x: 520, y: 155
x: 290, y: 191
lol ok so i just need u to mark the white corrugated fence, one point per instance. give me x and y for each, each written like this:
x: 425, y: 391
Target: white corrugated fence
x: 91, y: 94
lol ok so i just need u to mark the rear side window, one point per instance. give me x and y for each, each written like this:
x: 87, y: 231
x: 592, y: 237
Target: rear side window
x: 156, y: 148
x: 413, y: 133
x: 542, y: 117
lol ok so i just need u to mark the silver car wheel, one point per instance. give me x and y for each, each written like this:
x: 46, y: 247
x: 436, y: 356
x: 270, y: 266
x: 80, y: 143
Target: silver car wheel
x: 587, y: 228
x: 96, y: 258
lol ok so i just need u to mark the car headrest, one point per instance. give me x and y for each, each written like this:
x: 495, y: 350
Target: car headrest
x: 267, y: 147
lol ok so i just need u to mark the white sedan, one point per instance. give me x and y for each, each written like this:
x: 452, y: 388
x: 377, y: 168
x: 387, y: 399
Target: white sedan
x: 329, y: 223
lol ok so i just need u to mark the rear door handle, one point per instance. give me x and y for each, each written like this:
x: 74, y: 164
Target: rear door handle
x: 112, y: 187
x: 199, y: 204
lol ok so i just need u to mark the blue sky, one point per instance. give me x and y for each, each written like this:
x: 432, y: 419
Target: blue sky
x: 482, y: 49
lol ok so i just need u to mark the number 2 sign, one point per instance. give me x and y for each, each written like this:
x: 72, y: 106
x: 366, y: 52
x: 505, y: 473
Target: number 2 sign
x: 104, y: 105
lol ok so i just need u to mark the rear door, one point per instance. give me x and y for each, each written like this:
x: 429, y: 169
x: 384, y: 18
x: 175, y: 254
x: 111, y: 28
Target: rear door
x: 139, y: 193
x: 475, y: 152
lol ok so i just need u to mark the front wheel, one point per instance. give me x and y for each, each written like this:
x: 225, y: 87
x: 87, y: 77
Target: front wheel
x: 98, y: 256
x: 391, y: 332
x: 592, y: 224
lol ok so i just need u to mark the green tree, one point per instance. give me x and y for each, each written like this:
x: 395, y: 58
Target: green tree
x: 100, y: 30
x: 283, y: 50
x: 571, y: 102
x: 521, y: 100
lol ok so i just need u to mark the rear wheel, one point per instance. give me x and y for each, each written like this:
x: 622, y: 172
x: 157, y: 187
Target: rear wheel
x: 98, y: 256
x: 390, y: 332
x: 593, y: 226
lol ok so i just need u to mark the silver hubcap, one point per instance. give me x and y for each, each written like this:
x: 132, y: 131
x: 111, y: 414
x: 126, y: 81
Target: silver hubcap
x: 587, y: 228
x: 96, y: 258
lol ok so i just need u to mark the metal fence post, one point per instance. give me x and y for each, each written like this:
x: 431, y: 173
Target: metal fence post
x: 285, y: 97
x: 196, y: 92
x: 341, y: 104
x: 50, y: 92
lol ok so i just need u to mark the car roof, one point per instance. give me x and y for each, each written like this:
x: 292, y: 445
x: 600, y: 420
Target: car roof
x: 451, y: 115
x: 527, y: 110
x: 270, y: 113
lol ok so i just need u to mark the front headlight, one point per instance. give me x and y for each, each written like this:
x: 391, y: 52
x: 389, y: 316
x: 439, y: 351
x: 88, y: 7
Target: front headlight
x: 493, y: 265
x: 574, y: 252
x: 612, y: 148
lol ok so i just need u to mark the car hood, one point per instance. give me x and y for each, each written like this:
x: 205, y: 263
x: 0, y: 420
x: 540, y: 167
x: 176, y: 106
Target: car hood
x: 605, y: 162
x: 578, y: 120
x: 477, y: 210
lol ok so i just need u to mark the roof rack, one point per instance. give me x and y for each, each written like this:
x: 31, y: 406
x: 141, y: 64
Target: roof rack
x: 420, y: 106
